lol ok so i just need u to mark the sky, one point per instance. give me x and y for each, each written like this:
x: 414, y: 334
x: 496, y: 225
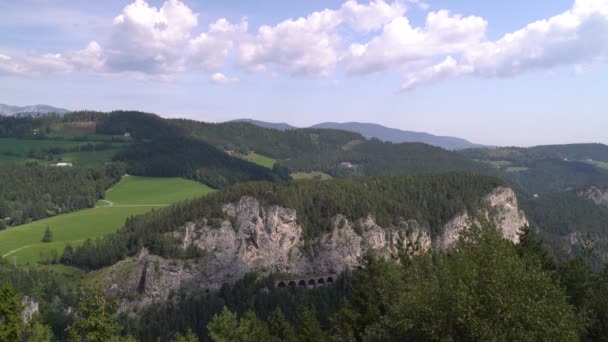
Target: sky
x: 519, y: 72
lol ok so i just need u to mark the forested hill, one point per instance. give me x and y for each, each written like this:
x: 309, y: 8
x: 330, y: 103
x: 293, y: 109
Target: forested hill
x: 336, y: 152
x: 394, y: 135
x: 430, y: 199
x: 193, y: 159
x: 549, y: 168
x: 269, y: 142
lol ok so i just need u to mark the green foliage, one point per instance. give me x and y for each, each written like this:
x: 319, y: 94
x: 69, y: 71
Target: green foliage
x: 139, y: 125
x: 188, y: 337
x: 38, y: 332
x: 225, y: 327
x: 280, y: 327
x: 482, y: 291
x: 32, y: 192
x: 48, y: 235
x: 96, y: 323
x: 193, y: 159
x: 11, y: 326
x: 547, y: 168
x: 310, y: 329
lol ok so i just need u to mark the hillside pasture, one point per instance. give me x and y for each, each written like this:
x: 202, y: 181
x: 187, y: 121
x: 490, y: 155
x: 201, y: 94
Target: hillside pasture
x: 131, y: 196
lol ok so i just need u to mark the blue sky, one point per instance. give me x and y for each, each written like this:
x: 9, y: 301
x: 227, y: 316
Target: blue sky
x: 502, y: 73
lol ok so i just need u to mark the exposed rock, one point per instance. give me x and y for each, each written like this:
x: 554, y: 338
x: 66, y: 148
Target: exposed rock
x: 30, y: 308
x: 598, y: 195
x: 502, y: 209
x: 269, y: 239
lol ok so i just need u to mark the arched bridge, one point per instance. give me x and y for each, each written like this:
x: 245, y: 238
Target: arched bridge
x: 308, y: 281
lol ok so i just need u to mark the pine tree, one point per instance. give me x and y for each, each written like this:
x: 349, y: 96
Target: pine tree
x: 11, y: 326
x: 48, y: 235
x: 96, y: 323
x: 280, y: 327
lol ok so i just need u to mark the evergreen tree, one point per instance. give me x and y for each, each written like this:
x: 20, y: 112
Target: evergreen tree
x: 48, y: 235
x: 11, y: 326
x: 280, y: 327
x: 224, y: 327
x: 95, y: 323
x: 310, y: 329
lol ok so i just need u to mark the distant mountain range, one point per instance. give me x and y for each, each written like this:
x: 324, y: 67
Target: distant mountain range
x: 370, y: 130
x: 8, y: 110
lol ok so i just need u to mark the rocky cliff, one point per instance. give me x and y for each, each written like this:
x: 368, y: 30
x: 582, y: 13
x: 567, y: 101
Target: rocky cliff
x: 269, y: 239
x: 598, y: 195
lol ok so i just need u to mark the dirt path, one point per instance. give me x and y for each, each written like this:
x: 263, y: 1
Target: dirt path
x: 16, y: 250
x: 110, y: 204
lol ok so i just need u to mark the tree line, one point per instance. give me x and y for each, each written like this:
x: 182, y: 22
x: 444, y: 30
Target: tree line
x: 33, y: 192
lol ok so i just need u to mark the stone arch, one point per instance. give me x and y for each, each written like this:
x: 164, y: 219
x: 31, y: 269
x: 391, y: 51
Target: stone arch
x: 292, y: 283
x: 302, y: 282
x: 330, y: 280
x: 281, y: 284
x: 321, y: 281
x: 311, y: 283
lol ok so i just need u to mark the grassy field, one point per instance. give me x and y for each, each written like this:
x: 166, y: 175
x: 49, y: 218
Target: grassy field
x: 601, y: 165
x: 260, y: 160
x: 88, y: 158
x: 311, y: 175
x: 24, y: 146
x: 131, y: 196
x: 132, y: 190
x: 516, y: 169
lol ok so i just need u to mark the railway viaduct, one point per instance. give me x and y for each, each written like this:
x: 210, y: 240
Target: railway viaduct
x: 308, y: 281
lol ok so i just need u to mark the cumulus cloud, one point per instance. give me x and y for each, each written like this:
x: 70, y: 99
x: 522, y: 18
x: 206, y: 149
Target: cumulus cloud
x: 221, y: 79
x: 400, y: 44
x: 150, y: 40
x: 363, y: 37
x: 576, y: 37
x: 308, y: 46
x: 210, y: 50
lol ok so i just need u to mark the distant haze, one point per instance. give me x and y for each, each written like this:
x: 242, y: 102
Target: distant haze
x: 371, y: 130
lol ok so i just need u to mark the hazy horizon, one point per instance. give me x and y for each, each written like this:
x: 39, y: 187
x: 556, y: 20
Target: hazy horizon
x: 518, y: 73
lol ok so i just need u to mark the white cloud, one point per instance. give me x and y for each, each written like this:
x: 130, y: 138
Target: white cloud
x: 370, y: 17
x: 301, y: 47
x: 576, y: 37
x: 160, y: 42
x: 90, y: 58
x: 309, y: 46
x: 221, y: 79
x: 210, y: 50
x: 400, y: 44
x: 8, y: 66
x: 150, y: 40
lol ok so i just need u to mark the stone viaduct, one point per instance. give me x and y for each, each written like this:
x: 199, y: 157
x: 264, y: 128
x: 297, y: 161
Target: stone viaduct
x: 308, y: 281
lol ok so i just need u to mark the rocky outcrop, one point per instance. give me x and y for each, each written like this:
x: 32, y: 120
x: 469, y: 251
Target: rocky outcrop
x: 502, y: 209
x: 598, y: 195
x: 30, y: 308
x: 270, y: 239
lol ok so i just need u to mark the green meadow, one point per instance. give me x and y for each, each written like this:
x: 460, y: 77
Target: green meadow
x: 131, y: 196
x: 311, y: 175
x: 260, y: 160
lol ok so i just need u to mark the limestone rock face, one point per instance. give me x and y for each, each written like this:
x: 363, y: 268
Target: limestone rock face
x: 30, y: 308
x: 502, y: 209
x: 270, y: 239
x: 598, y: 195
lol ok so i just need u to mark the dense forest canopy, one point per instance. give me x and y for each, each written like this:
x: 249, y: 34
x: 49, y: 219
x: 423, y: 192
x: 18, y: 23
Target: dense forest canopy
x: 193, y: 159
x: 33, y: 192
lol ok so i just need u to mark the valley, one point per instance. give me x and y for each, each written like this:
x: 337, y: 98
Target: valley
x: 129, y: 197
x: 171, y: 215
